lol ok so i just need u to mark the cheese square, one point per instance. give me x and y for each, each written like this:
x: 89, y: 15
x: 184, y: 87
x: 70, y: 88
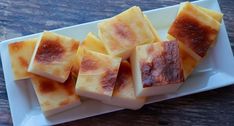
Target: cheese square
x: 124, y: 93
x: 53, y: 56
x: 157, y: 68
x: 20, y: 55
x: 91, y: 42
x: 195, y: 29
x: 120, y: 34
x: 97, y: 75
x: 55, y: 97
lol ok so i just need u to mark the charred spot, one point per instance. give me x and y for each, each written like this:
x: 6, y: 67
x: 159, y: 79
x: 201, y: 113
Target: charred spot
x: 46, y: 86
x: 123, y: 75
x: 124, y: 32
x: 165, y: 68
x: 49, y: 51
x: 192, y: 33
x: 75, y: 45
x: 23, y: 62
x: 88, y: 64
x: 108, y: 79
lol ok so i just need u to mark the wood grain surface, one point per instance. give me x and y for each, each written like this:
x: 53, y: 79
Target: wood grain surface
x: 24, y: 17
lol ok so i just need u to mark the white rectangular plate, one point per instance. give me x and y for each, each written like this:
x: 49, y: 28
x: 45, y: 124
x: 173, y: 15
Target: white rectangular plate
x: 215, y: 71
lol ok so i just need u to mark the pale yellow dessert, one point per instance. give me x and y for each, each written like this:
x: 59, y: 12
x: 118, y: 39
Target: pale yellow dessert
x: 53, y: 56
x: 20, y: 55
x: 196, y: 29
x: 124, y: 93
x: 157, y: 68
x: 97, y: 75
x: 91, y: 42
x: 121, y: 33
x: 55, y: 97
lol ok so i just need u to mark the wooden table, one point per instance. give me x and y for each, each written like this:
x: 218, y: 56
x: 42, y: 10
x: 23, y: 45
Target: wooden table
x: 18, y: 18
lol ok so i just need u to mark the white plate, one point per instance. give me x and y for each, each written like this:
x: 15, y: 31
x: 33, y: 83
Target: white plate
x: 215, y: 71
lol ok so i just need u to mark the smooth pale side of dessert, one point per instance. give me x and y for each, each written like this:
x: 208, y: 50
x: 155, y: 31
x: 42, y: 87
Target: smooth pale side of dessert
x: 20, y: 55
x: 97, y: 75
x: 124, y: 93
x: 55, y: 97
x: 157, y: 68
x: 195, y: 29
x: 53, y: 56
x: 121, y: 33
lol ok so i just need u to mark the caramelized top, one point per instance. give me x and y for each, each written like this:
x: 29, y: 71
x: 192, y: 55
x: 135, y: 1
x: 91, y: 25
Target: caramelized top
x: 108, y: 79
x: 165, y: 67
x: 49, y: 86
x: 49, y: 51
x: 192, y: 33
x: 123, y: 31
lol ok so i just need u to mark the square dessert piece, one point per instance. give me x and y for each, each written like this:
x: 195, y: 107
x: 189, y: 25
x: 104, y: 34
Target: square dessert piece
x: 121, y: 33
x: 97, y: 75
x: 190, y: 59
x: 124, y: 93
x: 53, y: 56
x: 91, y: 42
x: 20, y: 55
x: 195, y: 29
x: 157, y: 68
x: 55, y: 97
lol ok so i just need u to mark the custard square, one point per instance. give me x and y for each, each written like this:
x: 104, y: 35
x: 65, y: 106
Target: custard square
x: 53, y: 96
x: 157, y: 68
x: 121, y: 33
x: 195, y: 28
x: 124, y: 93
x: 97, y: 75
x: 91, y: 42
x: 53, y: 56
x: 20, y: 55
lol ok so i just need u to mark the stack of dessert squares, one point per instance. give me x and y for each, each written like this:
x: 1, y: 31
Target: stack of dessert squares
x: 124, y: 65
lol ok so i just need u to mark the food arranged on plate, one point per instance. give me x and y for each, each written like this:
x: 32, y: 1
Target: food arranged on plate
x: 124, y: 65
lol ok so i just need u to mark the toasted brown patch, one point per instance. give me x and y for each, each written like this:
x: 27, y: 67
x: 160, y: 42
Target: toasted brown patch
x: 123, y: 75
x: 165, y: 67
x: 124, y: 32
x: 192, y: 33
x: 108, y: 79
x: 88, y: 63
x: 75, y: 45
x: 16, y: 46
x: 23, y: 62
x: 46, y: 86
x: 49, y: 51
